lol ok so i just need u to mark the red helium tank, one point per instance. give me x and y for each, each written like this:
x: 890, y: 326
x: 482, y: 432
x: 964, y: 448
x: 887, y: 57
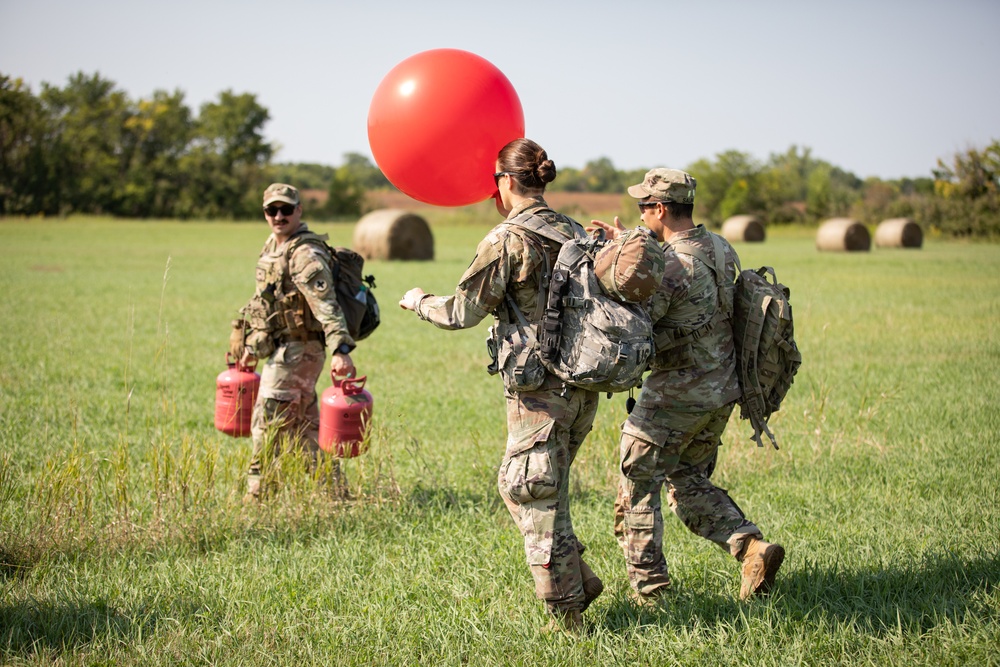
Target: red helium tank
x: 235, y: 393
x: 344, y: 417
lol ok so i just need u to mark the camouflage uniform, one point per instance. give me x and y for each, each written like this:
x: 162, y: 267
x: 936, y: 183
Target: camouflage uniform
x: 294, y: 342
x: 673, y: 434
x: 546, y: 426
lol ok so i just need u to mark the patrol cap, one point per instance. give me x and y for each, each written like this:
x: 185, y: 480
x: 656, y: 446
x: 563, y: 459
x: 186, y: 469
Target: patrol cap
x: 281, y: 192
x: 666, y: 185
x: 631, y: 267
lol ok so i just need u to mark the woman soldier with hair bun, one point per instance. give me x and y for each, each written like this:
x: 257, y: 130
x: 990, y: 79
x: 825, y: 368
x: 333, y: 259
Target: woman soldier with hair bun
x: 546, y: 419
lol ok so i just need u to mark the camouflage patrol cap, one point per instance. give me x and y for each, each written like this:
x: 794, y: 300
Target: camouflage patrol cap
x: 280, y: 192
x: 666, y: 185
x: 631, y: 267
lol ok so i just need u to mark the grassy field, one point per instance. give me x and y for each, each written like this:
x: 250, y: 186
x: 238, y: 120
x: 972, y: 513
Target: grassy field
x: 123, y: 539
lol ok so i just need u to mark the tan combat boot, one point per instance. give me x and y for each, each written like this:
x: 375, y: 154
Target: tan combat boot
x: 570, y: 622
x: 252, y: 496
x: 592, y: 585
x: 761, y: 561
x: 654, y: 600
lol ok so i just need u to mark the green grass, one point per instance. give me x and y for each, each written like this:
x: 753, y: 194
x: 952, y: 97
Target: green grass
x: 123, y: 539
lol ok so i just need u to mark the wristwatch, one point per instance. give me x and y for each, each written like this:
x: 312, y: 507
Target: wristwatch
x: 343, y: 348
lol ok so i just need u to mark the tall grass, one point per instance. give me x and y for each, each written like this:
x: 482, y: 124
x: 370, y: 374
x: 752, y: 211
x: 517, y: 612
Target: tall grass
x: 123, y: 539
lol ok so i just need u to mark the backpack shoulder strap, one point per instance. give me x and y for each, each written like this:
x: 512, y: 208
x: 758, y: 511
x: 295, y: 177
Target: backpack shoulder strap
x: 513, y: 310
x: 318, y: 240
x: 724, y: 305
x: 717, y: 263
x: 530, y: 221
x: 321, y: 240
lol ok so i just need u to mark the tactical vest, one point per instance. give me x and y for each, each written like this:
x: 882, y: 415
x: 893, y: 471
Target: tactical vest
x: 278, y: 308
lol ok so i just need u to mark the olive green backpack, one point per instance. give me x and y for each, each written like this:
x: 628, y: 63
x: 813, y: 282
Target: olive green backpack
x: 767, y: 357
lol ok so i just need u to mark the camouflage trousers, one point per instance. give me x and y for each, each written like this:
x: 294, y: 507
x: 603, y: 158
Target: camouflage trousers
x: 545, y: 429
x: 679, y: 450
x: 287, y: 409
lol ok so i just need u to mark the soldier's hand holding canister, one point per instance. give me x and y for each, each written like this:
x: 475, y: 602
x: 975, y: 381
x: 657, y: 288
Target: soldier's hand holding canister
x: 248, y: 360
x: 341, y: 365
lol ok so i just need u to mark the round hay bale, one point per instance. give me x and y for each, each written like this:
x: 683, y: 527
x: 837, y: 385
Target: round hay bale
x: 843, y: 234
x: 392, y: 233
x: 747, y: 228
x: 898, y: 233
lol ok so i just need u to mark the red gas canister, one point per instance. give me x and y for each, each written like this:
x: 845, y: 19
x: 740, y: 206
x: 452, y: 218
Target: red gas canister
x: 235, y: 393
x: 344, y: 417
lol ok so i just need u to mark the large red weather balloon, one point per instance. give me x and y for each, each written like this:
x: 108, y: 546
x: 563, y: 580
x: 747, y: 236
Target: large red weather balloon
x: 436, y: 123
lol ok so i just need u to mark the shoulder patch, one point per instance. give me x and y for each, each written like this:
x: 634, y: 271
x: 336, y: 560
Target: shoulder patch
x: 487, y: 253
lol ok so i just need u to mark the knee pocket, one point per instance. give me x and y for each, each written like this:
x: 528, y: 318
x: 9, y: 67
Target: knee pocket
x: 273, y: 408
x: 531, y: 476
x: 640, y: 458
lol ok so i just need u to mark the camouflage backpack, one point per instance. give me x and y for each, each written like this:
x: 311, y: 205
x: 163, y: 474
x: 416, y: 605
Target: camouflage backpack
x: 586, y: 337
x: 354, y: 293
x: 767, y: 358
x: 353, y: 288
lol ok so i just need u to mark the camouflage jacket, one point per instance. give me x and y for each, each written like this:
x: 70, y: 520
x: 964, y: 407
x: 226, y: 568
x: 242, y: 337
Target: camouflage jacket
x: 699, y: 375
x: 303, y: 282
x: 504, y: 263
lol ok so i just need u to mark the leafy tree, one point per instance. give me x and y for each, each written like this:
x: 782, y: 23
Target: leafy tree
x: 600, y: 175
x: 157, y: 137
x: 88, y: 117
x: 877, y: 196
x: 346, y: 197
x: 831, y: 192
x: 24, y: 133
x: 365, y: 174
x: 568, y: 179
x: 226, y: 164
x: 782, y: 185
x: 303, y: 175
x: 916, y: 186
x: 740, y: 198
x: 968, y: 192
x: 730, y: 180
x: 972, y: 175
x: 597, y: 175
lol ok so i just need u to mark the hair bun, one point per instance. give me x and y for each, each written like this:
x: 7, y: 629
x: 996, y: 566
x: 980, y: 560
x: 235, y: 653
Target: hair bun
x: 546, y: 171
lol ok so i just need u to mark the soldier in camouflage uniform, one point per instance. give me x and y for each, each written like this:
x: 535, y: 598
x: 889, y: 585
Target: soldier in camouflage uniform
x: 546, y: 424
x: 293, y: 318
x: 673, y: 433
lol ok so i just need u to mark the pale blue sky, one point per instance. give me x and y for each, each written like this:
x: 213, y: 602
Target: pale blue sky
x: 877, y: 88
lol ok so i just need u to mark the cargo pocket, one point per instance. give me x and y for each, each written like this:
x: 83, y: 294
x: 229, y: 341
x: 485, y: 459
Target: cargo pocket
x: 531, y: 476
x: 538, y: 528
x: 290, y: 354
x: 639, y: 457
x: 641, y: 528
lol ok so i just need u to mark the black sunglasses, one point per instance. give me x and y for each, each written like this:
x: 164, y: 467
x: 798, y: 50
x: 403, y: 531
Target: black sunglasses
x: 496, y: 176
x: 646, y: 204
x: 286, y: 210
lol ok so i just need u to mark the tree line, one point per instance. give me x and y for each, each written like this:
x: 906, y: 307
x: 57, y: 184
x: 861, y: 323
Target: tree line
x: 961, y: 197
x: 88, y: 148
